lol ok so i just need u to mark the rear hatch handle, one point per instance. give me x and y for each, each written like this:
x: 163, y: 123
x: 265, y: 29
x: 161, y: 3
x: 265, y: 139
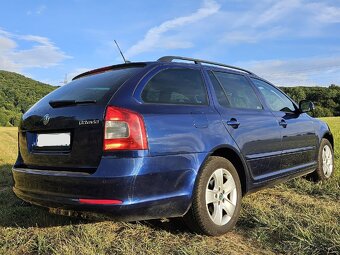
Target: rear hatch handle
x: 62, y: 103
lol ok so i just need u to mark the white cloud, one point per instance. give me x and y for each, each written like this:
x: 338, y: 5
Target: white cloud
x: 40, y: 9
x: 6, y: 43
x: 216, y: 26
x: 43, y: 53
x: 4, y: 33
x: 325, y: 13
x: 155, y: 38
x: 37, y: 11
x: 235, y: 37
x: 277, y: 12
x: 77, y: 71
x: 35, y: 38
x: 272, y: 19
x: 67, y: 77
x: 302, y: 71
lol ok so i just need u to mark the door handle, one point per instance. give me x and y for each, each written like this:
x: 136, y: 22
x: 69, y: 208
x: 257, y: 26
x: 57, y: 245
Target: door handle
x: 283, y: 123
x: 233, y: 123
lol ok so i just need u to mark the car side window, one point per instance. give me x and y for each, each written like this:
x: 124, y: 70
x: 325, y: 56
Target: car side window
x: 237, y: 91
x: 176, y: 86
x: 276, y: 100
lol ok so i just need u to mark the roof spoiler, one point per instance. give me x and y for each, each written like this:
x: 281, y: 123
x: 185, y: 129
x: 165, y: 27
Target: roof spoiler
x: 107, y: 68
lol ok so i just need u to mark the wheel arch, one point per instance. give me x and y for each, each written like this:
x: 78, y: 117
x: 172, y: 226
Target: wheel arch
x: 329, y: 137
x: 234, y: 156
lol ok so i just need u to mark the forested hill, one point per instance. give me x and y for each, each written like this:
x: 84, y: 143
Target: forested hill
x: 17, y: 94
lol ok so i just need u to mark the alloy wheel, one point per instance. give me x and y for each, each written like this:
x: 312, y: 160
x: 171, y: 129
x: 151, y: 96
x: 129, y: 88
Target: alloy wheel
x: 327, y: 161
x: 221, y: 196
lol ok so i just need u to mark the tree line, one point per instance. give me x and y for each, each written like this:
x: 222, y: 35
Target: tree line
x: 326, y: 99
x: 18, y: 93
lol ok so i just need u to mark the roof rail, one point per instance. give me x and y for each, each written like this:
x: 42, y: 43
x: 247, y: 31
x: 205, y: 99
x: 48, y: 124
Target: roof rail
x: 200, y: 61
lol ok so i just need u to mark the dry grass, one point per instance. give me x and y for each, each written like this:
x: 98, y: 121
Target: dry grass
x: 297, y: 217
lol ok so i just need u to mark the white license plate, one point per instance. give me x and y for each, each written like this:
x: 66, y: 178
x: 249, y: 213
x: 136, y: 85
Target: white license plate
x: 55, y: 139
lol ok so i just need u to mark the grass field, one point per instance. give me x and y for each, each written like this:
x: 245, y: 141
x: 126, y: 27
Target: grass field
x: 297, y: 217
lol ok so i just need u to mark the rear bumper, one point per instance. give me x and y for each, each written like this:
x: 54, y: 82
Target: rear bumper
x: 150, y: 187
x: 161, y: 208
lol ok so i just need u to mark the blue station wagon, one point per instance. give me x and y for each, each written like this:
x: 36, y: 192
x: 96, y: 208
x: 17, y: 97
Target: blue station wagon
x: 177, y: 137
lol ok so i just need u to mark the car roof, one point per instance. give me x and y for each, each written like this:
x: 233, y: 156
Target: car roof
x: 168, y: 60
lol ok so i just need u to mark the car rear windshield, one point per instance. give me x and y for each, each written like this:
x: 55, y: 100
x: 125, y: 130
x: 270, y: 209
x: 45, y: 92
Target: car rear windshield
x: 96, y: 87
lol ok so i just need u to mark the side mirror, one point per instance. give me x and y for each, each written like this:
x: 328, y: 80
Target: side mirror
x: 306, y: 106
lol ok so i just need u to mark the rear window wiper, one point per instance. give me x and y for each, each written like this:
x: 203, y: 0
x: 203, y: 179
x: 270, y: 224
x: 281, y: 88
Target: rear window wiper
x: 61, y: 103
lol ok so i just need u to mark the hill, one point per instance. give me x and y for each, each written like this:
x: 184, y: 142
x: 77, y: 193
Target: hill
x: 17, y: 94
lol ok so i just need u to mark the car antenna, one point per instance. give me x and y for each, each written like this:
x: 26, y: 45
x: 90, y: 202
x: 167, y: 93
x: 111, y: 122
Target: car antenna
x: 121, y: 53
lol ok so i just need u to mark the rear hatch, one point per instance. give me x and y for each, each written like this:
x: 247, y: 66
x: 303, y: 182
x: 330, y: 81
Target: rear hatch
x: 64, y: 130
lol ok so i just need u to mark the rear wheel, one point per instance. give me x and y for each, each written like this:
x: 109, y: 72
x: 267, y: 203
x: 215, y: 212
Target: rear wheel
x: 216, y: 198
x: 325, y: 162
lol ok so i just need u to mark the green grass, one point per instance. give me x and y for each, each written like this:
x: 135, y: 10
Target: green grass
x: 297, y: 217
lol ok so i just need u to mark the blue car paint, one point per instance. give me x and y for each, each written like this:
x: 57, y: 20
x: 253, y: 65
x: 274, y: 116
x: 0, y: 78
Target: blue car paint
x: 159, y: 182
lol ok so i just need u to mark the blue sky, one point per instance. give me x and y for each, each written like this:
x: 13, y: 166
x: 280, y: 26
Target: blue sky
x: 291, y: 42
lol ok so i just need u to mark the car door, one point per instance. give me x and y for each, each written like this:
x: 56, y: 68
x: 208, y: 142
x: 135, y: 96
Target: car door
x: 297, y: 129
x: 254, y: 128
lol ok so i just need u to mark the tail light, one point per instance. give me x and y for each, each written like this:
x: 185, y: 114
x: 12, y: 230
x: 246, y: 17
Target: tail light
x: 124, y: 130
x: 100, y: 201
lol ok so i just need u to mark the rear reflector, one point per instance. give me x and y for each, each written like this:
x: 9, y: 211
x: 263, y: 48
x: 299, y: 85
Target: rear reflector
x: 124, y: 130
x: 100, y: 201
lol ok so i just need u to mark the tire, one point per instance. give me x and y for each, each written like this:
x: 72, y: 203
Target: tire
x: 325, y: 168
x: 215, y: 209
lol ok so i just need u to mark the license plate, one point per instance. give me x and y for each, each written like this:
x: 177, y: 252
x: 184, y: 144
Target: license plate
x: 54, y: 140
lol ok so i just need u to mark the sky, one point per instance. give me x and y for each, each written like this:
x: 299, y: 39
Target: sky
x: 291, y: 42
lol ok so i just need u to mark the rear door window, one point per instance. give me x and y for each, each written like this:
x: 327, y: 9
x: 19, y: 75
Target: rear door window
x: 176, y: 86
x: 237, y: 91
x: 96, y: 87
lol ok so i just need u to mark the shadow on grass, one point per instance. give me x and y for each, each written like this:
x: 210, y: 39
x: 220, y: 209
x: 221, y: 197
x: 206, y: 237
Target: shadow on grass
x: 172, y: 225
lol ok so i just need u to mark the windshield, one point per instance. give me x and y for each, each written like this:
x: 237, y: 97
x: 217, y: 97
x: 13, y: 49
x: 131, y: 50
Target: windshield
x: 93, y: 88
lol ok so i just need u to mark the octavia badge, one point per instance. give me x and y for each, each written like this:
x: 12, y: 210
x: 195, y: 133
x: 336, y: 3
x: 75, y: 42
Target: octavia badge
x: 46, y: 119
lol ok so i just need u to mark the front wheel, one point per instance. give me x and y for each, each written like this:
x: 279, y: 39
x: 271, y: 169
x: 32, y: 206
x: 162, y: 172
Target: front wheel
x: 216, y: 198
x: 325, y: 162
